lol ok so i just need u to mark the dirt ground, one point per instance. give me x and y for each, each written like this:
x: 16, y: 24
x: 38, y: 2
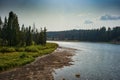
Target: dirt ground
x: 42, y: 68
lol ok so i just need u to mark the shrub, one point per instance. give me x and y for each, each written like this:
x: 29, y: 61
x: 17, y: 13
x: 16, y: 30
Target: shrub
x: 20, y: 49
x: 31, y: 49
x: 23, y: 55
x: 7, y: 49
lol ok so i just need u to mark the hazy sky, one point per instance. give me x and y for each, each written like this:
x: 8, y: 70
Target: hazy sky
x: 59, y: 15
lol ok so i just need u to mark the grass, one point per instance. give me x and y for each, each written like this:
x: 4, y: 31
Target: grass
x: 11, y: 57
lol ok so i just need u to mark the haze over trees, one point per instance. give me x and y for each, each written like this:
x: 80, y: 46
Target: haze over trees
x: 12, y: 35
x: 94, y: 35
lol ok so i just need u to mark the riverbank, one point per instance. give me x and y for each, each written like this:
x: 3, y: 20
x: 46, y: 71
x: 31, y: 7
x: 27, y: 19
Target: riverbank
x: 110, y: 42
x: 42, y: 67
x: 11, y: 57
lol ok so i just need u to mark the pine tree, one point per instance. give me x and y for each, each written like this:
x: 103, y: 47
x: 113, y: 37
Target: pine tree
x: 28, y: 36
x: 45, y: 35
x: 22, y: 36
x: 41, y: 37
x: 11, y: 35
x: 16, y: 32
x: 1, y: 21
x: 13, y: 30
x: 9, y: 28
x: 4, y: 33
x: 0, y: 31
x: 0, y: 27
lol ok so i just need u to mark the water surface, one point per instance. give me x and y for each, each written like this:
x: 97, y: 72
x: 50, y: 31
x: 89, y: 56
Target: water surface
x: 93, y: 61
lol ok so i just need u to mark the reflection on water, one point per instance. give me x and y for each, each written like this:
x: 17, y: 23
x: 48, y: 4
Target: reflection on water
x: 93, y: 61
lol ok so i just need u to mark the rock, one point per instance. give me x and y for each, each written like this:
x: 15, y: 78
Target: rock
x: 77, y: 75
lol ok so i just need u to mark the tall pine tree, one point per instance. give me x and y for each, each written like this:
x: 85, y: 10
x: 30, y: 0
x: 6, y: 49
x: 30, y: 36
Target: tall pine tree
x: 4, y: 33
x: 13, y: 30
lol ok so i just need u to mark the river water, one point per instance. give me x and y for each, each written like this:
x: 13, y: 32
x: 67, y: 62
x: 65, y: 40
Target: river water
x: 93, y: 61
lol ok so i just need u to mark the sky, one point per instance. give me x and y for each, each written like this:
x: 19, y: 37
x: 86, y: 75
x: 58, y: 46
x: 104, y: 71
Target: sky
x: 57, y: 15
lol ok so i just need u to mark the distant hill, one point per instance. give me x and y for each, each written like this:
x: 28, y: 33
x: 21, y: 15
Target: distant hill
x: 93, y: 35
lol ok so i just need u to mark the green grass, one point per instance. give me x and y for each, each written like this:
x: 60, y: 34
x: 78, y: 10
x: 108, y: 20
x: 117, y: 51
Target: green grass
x: 11, y: 57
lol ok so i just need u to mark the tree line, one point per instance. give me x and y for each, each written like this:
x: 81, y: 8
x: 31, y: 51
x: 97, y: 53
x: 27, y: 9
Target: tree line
x: 94, y: 35
x: 11, y: 34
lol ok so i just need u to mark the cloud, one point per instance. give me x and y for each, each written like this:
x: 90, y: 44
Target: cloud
x: 109, y: 17
x: 88, y: 22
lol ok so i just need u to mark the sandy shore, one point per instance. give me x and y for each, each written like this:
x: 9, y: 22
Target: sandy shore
x: 42, y: 67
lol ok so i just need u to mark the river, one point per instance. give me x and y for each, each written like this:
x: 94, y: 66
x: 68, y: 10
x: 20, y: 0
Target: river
x: 93, y: 61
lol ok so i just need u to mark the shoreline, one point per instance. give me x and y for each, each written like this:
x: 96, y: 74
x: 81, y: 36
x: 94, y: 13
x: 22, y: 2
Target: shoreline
x: 111, y: 42
x: 42, y: 68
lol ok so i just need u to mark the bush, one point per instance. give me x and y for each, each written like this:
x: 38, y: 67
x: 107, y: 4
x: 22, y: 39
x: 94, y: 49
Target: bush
x: 23, y: 55
x: 31, y: 49
x: 7, y: 49
x: 20, y: 49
